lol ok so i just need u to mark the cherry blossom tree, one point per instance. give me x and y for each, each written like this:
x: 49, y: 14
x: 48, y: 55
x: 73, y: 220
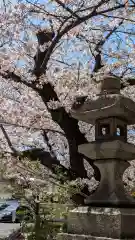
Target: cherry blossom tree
x: 50, y: 52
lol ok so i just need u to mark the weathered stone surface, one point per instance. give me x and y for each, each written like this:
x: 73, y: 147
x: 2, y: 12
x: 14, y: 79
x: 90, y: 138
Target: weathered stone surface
x: 106, y: 106
x: 108, y: 150
x: 110, y: 191
x: 9, y: 230
x: 108, y: 103
x: 111, y: 214
x: 113, y: 223
x: 111, y: 128
x: 110, y: 84
x: 65, y: 236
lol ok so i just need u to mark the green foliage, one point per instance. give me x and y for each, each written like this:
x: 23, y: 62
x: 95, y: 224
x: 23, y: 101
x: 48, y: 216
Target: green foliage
x: 44, y: 226
x: 31, y: 185
x: 133, y: 194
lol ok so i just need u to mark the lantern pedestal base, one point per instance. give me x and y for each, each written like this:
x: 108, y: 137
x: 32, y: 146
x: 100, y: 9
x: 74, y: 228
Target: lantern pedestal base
x: 65, y: 236
x: 91, y: 223
x: 110, y: 192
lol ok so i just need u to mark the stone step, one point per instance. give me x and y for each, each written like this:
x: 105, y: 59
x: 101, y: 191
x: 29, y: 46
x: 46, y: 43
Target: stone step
x: 66, y: 236
x: 113, y: 223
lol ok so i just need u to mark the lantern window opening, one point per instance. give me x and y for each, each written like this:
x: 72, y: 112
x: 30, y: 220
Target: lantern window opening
x: 104, y: 129
x: 120, y: 131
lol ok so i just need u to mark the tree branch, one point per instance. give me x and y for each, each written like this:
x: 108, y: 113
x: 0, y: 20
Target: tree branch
x: 98, y: 61
x: 77, y: 22
x: 48, y: 93
x: 67, y: 9
x: 31, y: 128
x: 8, y: 140
x: 46, y: 140
x: 16, y: 78
x: 130, y: 81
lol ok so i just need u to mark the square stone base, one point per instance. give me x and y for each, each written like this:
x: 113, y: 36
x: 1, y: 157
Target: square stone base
x: 114, y: 223
x: 65, y: 236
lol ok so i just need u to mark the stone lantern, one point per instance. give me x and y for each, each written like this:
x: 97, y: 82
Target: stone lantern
x: 109, y: 212
x: 111, y: 112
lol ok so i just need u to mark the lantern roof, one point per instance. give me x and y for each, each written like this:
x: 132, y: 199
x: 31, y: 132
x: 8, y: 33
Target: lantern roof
x: 109, y: 103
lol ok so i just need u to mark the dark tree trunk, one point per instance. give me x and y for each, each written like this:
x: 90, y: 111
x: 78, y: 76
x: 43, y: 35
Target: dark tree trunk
x: 70, y: 128
x: 72, y: 132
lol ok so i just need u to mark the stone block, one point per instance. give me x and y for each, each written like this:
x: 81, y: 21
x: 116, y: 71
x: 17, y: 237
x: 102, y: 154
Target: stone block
x: 115, y: 149
x: 115, y: 223
x: 65, y: 236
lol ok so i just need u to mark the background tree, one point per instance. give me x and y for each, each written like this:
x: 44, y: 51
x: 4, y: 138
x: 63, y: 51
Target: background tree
x: 45, y: 199
x: 51, y: 52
